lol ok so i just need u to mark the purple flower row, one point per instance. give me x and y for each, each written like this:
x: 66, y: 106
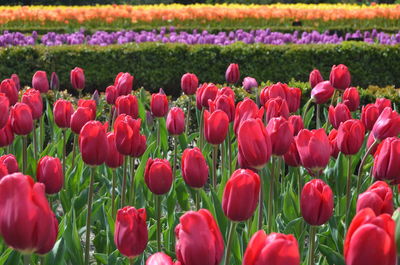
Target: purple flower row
x: 266, y: 36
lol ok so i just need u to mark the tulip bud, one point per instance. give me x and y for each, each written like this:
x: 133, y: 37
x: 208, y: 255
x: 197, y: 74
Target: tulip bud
x: 131, y: 234
x: 378, y: 197
x: 4, y: 110
x: 62, y: 112
x: 249, y: 83
x: 227, y: 105
x: 386, y: 160
x: 89, y: 103
x: 127, y: 105
x: 7, y: 87
x: 291, y: 95
x: 293, y: 98
x: 340, y: 77
x: 3, y: 171
x: 159, y: 104
x: 322, y: 92
x: 6, y: 134
x: 276, y: 107
x: 204, y: 93
x: 158, y: 176
x: 21, y: 119
x: 369, y: 115
x: 198, y: 239
x: 114, y: 158
x: 17, y: 83
x: 40, y: 82
x: 383, y: 103
x: 351, y: 98
x: 123, y: 83
x: 127, y: 136
x: 275, y: 248
x: 77, y: 78
x: 316, y: 202
x: 140, y: 147
x: 245, y: 110
x: 96, y: 97
x: 338, y: 114
x: 159, y: 258
x: 93, y: 143
x: 350, y: 137
x: 232, y: 74
x: 10, y: 162
x: 33, y: 99
x: 216, y: 126
x: 243, y: 185
x: 315, y: 78
x: 111, y: 95
x: 189, y: 83
x: 226, y: 91
x: 387, y: 124
x: 176, y: 121
x: 281, y: 134
x: 333, y: 142
x: 194, y: 168
x: 369, y: 232
x: 54, y: 82
x: 292, y: 157
x: 79, y: 118
x: 297, y: 123
x: 49, y: 172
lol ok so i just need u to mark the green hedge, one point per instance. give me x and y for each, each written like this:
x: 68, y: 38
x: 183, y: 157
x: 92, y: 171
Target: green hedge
x: 156, y: 65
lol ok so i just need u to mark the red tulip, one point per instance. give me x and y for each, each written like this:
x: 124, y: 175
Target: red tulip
x: 17, y: 83
x: 316, y: 202
x: 77, y: 78
x: 216, y: 125
x: 249, y: 83
x: 198, y: 239
x: 159, y: 104
x: 315, y: 78
x: 131, y: 235
x: 159, y: 258
x: 49, y: 172
x: 194, y: 168
x: 89, y: 103
x: 322, y: 92
x: 387, y: 124
x: 276, y: 107
x: 232, y: 74
x: 369, y: 115
x: 111, y: 94
x: 123, y: 83
x: 254, y: 144
x: 387, y: 160
x: 127, y: 105
x: 280, y: 132
x: 350, y: 136
x: 242, y: 186
x: 40, y: 82
x: 340, y: 77
x: 176, y: 121
x: 127, y: 135
x: 8, y: 88
x: 10, y: 162
x: 4, y: 110
x: 378, y: 197
x: 189, y: 83
x: 140, y: 147
x: 93, y: 143
x: 370, y: 239
x: 370, y: 141
x: 158, y: 176
x: 291, y: 95
x: 275, y: 248
x: 33, y: 99
x: 3, y: 171
x: 54, y: 82
x: 292, y: 157
x: 114, y: 158
x: 204, y: 93
x: 79, y: 118
x: 6, y: 134
x: 333, y: 142
x: 293, y: 98
x: 227, y: 91
x: 245, y: 110
x: 297, y: 123
x: 62, y: 112
x: 383, y: 103
x: 338, y: 114
x: 314, y: 150
x: 226, y: 104
x: 351, y: 98
x: 21, y: 119
x: 27, y: 222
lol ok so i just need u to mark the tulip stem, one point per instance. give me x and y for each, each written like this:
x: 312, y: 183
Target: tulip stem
x: 214, y: 175
x: 312, y: 245
x: 131, y: 261
x: 299, y: 185
x: 201, y: 129
x: 318, y: 116
x: 132, y: 193
x: 159, y: 134
x: 349, y: 173
x: 35, y: 142
x: 110, y: 118
x: 158, y: 216
x: 27, y: 259
x: 360, y: 168
x: 333, y: 96
x: 261, y: 203
x: 271, y: 196
x: 306, y: 106
x: 229, y: 151
x: 41, y: 133
x: 229, y: 243
x: 175, y: 156
x: 125, y: 169
x: 113, y: 194
x: 197, y: 195
x: 89, y: 214
x: 74, y: 151
x: 64, y: 151
x: 257, y: 99
x: 189, y: 105
x: 24, y: 153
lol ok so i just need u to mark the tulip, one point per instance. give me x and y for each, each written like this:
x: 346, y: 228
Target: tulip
x: 370, y: 239
x: 17, y: 83
x: 4, y: 110
x: 21, y: 119
x: 10, y: 162
x: 275, y: 248
x: 386, y: 161
x: 176, y: 121
x: 79, y: 118
x: 249, y: 83
x: 351, y: 98
x: 387, y: 124
x: 293, y: 98
x: 383, y: 103
x: 189, y: 83
x: 316, y: 202
x: 62, y: 112
x: 276, y: 107
x: 111, y: 94
x: 77, y: 78
x: 333, y: 142
x: 123, y: 83
x: 322, y: 92
x: 140, y: 147
x: 7, y: 87
x: 93, y: 143
x: 340, y: 77
x: 226, y: 104
x: 369, y: 115
x: 245, y: 110
x: 89, y: 103
x: 204, y: 93
x: 40, y: 82
x: 131, y: 235
x: 27, y: 222
x: 114, y: 158
x: 54, y: 82
x: 350, y: 136
x: 297, y: 123
x: 127, y: 105
x: 226, y: 91
x: 315, y: 78
x: 159, y: 104
x: 198, y: 239
x: 194, y: 168
x: 314, y: 150
x: 33, y: 99
x: 232, y: 74
x: 280, y: 132
x: 291, y: 95
x: 159, y: 258
x: 158, y: 176
x: 127, y: 134
x: 254, y: 143
x: 216, y: 125
x: 6, y: 134
x: 243, y: 185
x: 49, y: 172
x: 338, y: 114
x: 292, y: 157
x: 3, y: 171
x: 378, y: 197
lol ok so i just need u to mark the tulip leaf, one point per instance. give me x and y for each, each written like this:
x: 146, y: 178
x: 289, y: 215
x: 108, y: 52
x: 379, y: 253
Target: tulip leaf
x: 333, y: 257
x: 5, y: 255
x: 56, y: 255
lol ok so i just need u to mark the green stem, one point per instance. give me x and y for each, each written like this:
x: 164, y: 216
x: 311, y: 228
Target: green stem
x: 113, y: 194
x: 131, y: 261
x: 229, y: 243
x: 24, y: 153
x: 27, y: 259
x: 360, y: 168
x: 201, y: 128
x: 89, y: 215
x: 159, y: 134
x: 187, y: 124
x: 158, y: 216
x: 42, y: 260
x: 348, y: 189
x: 299, y: 185
x: 271, y: 197
x: 64, y: 151
x: 214, y: 175
x: 74, y: 147
x: 35, y: 142
x: 175, y: 156
x: 132, y: 193
x: 312, y: 245
x: 41, y: 131
x: 318, y: 116
x: 125, y: 169
x: 333, y: 96
x: 197, y: 195
x: 306, y: 106
x: 261, y: 202
x: 229, y: 151
x: 257, y: 99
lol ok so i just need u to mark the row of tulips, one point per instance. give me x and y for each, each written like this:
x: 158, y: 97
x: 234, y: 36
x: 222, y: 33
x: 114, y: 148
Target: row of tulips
x: 258, y: 155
